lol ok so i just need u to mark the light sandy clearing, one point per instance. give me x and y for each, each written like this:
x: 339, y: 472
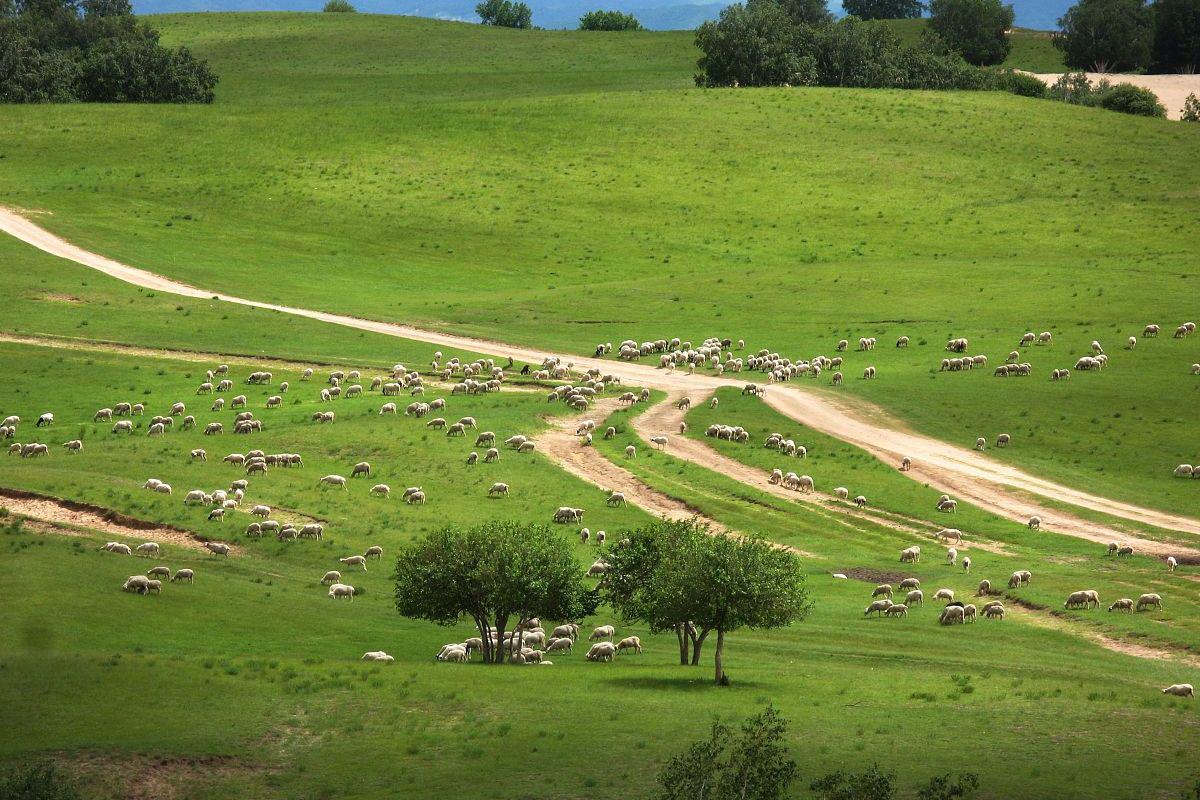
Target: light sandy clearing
x: 958, y: 471
x: 81, y: 515
x: 1172, y: 90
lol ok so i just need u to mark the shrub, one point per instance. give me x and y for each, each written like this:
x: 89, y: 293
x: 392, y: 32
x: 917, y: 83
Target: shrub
x: 1074, y: 88
x: 505, y: 14
x: 1105, y: 35
x: 873, y: 784
x: 752, y: 45
x: 805, y: 12
x: 1130, y: 99
x: 943, y: 787
x: 977, y: 29
x: 1191, y: 109
x: 883, y: 9
x: 1021, y: 84
x: 339, y: 7
x: 609, y: 21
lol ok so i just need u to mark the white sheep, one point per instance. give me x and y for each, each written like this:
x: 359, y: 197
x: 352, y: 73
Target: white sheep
x: 183, y: 575
x: 1172, y: 563
x: 381, y: 490
x: 498, y: 490
x: 377, y: 655
x: 355, y: 561
x: 333, y: 480
x: 944, y: 594
x: 339, y: 590
x: 1180, y: 690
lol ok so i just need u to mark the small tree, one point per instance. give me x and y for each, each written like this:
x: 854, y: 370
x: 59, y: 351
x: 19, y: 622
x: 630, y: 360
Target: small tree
x: 490, y: 573
x: 679, y: 575
x: 505, y: 14
x: 884, y: 9
x: 1176, y: 36
x: 609, y: 21
x: 873, y: 784
x: 752, y: 766
x: 1191, y: 109
x: 944, y: 787
x: 1106, y: 35
x: 978, y: 29
x: 339, y: 7
x: 752, y: 45
x: 802, y: 12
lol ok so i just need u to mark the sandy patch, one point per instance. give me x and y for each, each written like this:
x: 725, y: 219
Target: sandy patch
x: 1172, y: 90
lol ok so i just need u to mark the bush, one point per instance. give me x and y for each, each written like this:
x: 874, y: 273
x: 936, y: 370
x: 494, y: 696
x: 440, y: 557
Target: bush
x: 1130, y: 99
x: 505, y: 14
x: 943, y: 787
x: 339, y: 7
x: 1176, y: 45
x: 873, y: 784
x: 977, y: 29
x: 1105, y: 35
x: 609, y: 21
x: 1073, y: 88
x: 752, y: 46
x: 37, y: 782
x: 1191, y: 109
x: 1021, y: 84
x: 805, y: 12
x: 883, y: 9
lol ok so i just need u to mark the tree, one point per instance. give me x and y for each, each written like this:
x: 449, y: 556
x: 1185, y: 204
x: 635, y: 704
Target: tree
x: 490, y: 573
x: 1191, y: 113
x: 884, y: 9
x: 609, y: 21
x: 339, y: 7
x: 978, y: 29
x: 752, y: 766
x: 680, y: 576
x: 1106, y: 35
x: 752, y: 45
x: 1176, y: 36
x: 872, y: 784
x: 802, y: 12
x: 505, y: 14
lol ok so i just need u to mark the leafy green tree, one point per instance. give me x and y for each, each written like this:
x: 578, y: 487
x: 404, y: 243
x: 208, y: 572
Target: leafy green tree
x: 1176, y: 36
x: 505, y: 14
x: 1106, y: 35
x: 977, y: 29
x: 752, y: 45
x: 681, y: 576
x: 491, y: 573
x: 1191, y: 113
x: 339, y: 7
x: 802, y: 12
x: 884, y: 9
x: 752, y: 765
x: 609, y: 21
x: 944, y: 787
x: 872, y: 784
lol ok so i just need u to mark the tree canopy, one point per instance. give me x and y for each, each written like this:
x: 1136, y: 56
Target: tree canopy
x: 1106, y: 35
x: 1176, y: 36
x: 92, y: 51
x: 505, y: 14
x: 977, y: 29
x: 491, y: 573
x: 679, y: 576
x: 802, y: 12
x: 609, y: 21
x: 884, y: 9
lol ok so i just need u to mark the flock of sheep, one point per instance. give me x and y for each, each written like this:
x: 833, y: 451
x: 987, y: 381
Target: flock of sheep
x: 530, y: 644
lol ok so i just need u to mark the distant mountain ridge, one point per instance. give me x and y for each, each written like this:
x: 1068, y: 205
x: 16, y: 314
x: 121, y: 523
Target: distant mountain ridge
x: 1041, y: 14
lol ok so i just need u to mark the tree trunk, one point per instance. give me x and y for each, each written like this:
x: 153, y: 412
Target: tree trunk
x: 719, y: 660
x: 684, y: 642
x: 697, y: 643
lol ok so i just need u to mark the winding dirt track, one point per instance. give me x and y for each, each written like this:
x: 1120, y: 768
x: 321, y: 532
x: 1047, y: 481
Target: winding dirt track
x: 960, y: 472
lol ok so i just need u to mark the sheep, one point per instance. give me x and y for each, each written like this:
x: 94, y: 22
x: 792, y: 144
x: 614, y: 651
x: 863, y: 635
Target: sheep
x: 1149, y: 600
x: 333, y: 480
x: 148, y: 549
x: 125, y: 426
x: 211, y: 429
x: 559, y: 645
x: 602, y: 651
x: 630, y: 452
x: 1180, y: 690
x: 952, y: 614
x: 944, y: 594
x: 163, y: 488
x: 45, y: 420
x: 183, y: 575
x: 254, y: 529
x: 339, y: 590
x: 951, y: 556
x: 946, y: 534
x: 164, y: 571
x: 910, y: 555
x: 355, y: 561
x: 103, y: 415
x: 74, y: 446
x: 1124, y: 604
x: 902, y: 341
x: 527, y: 447
x: 860, y: 501
x: 1003, y: 440
x: 1035, y: 523
x: 136, y: 583
x: 868, y: 373
x: 1150, y: 331
x: 1081, y: 599
x: 118, y: 548
x: 361, y: 468
x: 915, y: 597
x: 199, y: 455
x: 633, y: 643
x: 909, y: 583
x: 994, y: 610
x: 980, y: 443
x: 948, y: 506
x: 602, y: 632
x: 377, y: 655
x: 217, y: 514
x: 1184, y: 471
x: 905, y: 464
x: 380, y: 490
x: 331, y: 577
x: 985, y: 588
x: 837, y: 379
x: 896, y: 610
x: 882, y: 590
x: 805, y: 484
x: 498, y: 490
x: 966, y: 563
x: 1124, y: 550
x: 218, y: 548
x: 1172, y: 563
x: 841, y: 492
x: 617, y: 499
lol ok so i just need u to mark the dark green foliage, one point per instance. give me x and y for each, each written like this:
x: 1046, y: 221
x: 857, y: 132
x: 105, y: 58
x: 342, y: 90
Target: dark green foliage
x: 489, y: 573
x: 1191, y: 109
x: 339, y: 7
x: 1073, y: 88
x: 884, y: 9
x: 37, y: 782
x: 873, y: 784
x: 1106, y: 35
x: 943, y: 787
x: 1021, y: 84
x: 727, y: 766
x: 609, y: 21
x: 505, y: 14
x: 1130, y: 99
x: 753, y: 45
x: 803, y: 12
x: 977, y: 29
x: 93, y: 51
x: 1176, y: 45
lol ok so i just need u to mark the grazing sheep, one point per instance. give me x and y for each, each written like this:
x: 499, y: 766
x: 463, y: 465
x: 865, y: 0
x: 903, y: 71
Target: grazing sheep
x: 218, y: 548
x: 163, y: 488
x: 951, y: 556
x: 948, y: 506
x: 498, y: 490
x: 118, y: 548
x: 1149, y: 600
x: 164, y: 571
x: 1035, y: 523
x: 378, y: 655
x: 331, y: 577
x: 980, y: 443
x: 882, y: 590
x: 602, y: 651
x: 633, y: 643
x: 944, y: 594
x: 1172, y: 563
x: 952, y: 614
x: 1124, y: 604
x: 339, y: 590
x: 994, y: 610
x: 896, y: 610
x: 905, y: 464
x: 416, y: 498
x: 985, y: 588
x: 355, y: 561
x: 910, y: 555
x: 616, y: 499
x: 841, y: 492
x: 381, y: 490
x: 333, y: 480
x: 909, y: 583
x: 527, y: 447
x: 361, y: 468
x: 125, y: 426
x: 1125, y: 550
x: 199, y: 455
x: 860, y: 501
x: 374, y: 551
x: 148, y: 549
x: 966, y: 563
x: 1082, y: 599
x: 217, y: 514
x: 1180, y: 690
x: 183, y: 575
x: 602, y: 632
x: 630, y: 452
x: 946, y: 534
x: 136, y: 583
x: 74, y: 446
x: 915, y: 597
